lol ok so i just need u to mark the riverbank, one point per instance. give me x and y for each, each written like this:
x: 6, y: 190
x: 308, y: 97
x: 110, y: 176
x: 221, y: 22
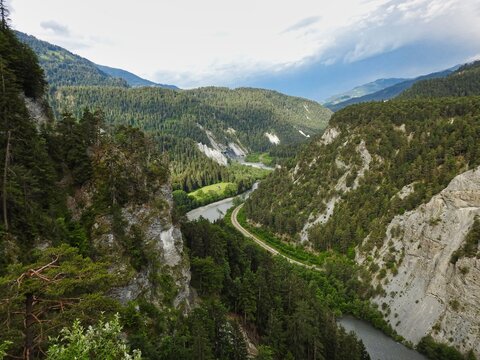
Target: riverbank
x: 378, y: 344
x: 217, y: 210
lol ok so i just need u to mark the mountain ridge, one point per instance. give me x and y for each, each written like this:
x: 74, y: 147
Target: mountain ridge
x: 362, y: 90
x: 132, y: 79
x: 393, y: 91
x: 63, y: 67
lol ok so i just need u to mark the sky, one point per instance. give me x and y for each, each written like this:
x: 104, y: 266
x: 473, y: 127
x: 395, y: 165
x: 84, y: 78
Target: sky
x: 308, y: 48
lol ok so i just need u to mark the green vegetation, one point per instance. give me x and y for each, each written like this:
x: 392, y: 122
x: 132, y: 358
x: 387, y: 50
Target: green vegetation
x: 64, y: 68
x: 263, y: 158
x: 242, y: 116
x: 325, y: 262
x: 470, y: 246
x: 101, y: 341
x: 179, y: 120
x: 293, y: 251
x: 290, y: 309
x: 45, y: 295
x: 241, y: 179
x: 214, y: 191
x: 420, y: 142
x: 463, y: 82
x: 439, y: 351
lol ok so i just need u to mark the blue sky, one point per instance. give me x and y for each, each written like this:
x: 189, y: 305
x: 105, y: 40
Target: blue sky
x: 309, y: 48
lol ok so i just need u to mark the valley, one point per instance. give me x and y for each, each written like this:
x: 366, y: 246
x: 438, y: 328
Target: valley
x: 145, y: 220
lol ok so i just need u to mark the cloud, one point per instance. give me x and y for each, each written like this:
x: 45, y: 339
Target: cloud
x: 223, y: 43
x: 302, y: 24
x: 55, y: 27
x: 397, y: 23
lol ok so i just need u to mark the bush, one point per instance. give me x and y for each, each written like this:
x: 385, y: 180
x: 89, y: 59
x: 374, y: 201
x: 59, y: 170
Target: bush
x: 100, y: 342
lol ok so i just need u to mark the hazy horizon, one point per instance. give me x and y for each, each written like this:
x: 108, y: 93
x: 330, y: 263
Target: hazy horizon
x: 305, y: 48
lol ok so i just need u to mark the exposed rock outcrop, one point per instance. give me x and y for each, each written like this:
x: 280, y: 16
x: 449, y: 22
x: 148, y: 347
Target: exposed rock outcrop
x: 428, y: 293
x: 340, y: 187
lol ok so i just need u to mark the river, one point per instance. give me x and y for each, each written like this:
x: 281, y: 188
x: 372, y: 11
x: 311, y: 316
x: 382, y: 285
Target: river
x: 242, y: 161
x: 217, y: 210
x: 378, y: 345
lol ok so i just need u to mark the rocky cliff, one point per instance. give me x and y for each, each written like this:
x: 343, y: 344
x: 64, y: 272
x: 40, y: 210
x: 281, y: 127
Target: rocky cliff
x: 129, y: 207
x: 427, y: 292
x: 397, y: 186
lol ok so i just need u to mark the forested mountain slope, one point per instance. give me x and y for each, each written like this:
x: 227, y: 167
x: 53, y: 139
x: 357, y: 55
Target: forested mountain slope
x: 86, y: 218
x: 463, y: 82
x: 132, y: 79
x: 361, y: 187
x: 362, y: 90
x: 202, y: 128
x: 88, y: 234
x: 65, y: 68
x: 390, y: 92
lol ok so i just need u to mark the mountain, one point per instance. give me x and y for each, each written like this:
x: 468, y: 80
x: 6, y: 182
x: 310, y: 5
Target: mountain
x: 395, y: 186
x: 463, y: 82
x: 65, y: 68
x: 361, y: 90
x: 203, y: 128
x: 132, y: 79
x: 91, y: 248
x: 391, y: 91
x: 58, y: 175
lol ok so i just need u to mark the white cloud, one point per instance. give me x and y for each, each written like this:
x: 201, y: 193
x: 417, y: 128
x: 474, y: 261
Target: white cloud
x: 55, y: 27
x: 192, y: 43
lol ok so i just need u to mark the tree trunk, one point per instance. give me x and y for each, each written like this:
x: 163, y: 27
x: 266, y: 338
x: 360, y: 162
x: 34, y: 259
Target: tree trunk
x: 4, y: 190
x: 29, y: 320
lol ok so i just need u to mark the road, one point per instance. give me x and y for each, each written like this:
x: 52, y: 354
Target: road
x: 262, y: 244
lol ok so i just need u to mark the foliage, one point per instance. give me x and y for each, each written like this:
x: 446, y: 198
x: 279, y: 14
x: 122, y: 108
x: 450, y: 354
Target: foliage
x: 439, y: 351
x: 264, y: 158
x: 179, y: 120
x: 46, y: 294
x: 217, y: 191
x: 421, y: 143
x: 463, y: 82
x: 64, y: 68
x: 101, y: 341
x: 3, y: 349
x: 293, y: 251
x: 285, y: 306
x: 470, y: 246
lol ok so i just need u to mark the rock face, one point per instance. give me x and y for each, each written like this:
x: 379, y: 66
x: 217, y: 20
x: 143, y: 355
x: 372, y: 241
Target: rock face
x: 430, y: 294
x: 165, y: 272
x: 130, y: 204
x: 341, y: 186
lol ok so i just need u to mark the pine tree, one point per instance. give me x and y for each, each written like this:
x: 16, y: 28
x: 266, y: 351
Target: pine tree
x: 4, y: 13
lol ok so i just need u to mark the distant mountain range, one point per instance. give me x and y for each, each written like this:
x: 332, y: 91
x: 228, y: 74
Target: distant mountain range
x: 64, y: 68
x: 386, y: 93
x: 132, y: 79
x: 463, y: 82
x: 362, y: 90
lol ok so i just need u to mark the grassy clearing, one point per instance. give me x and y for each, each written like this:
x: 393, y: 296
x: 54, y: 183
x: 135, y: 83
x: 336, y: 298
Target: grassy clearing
x: 223, y: 189
x: 263, y: 158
